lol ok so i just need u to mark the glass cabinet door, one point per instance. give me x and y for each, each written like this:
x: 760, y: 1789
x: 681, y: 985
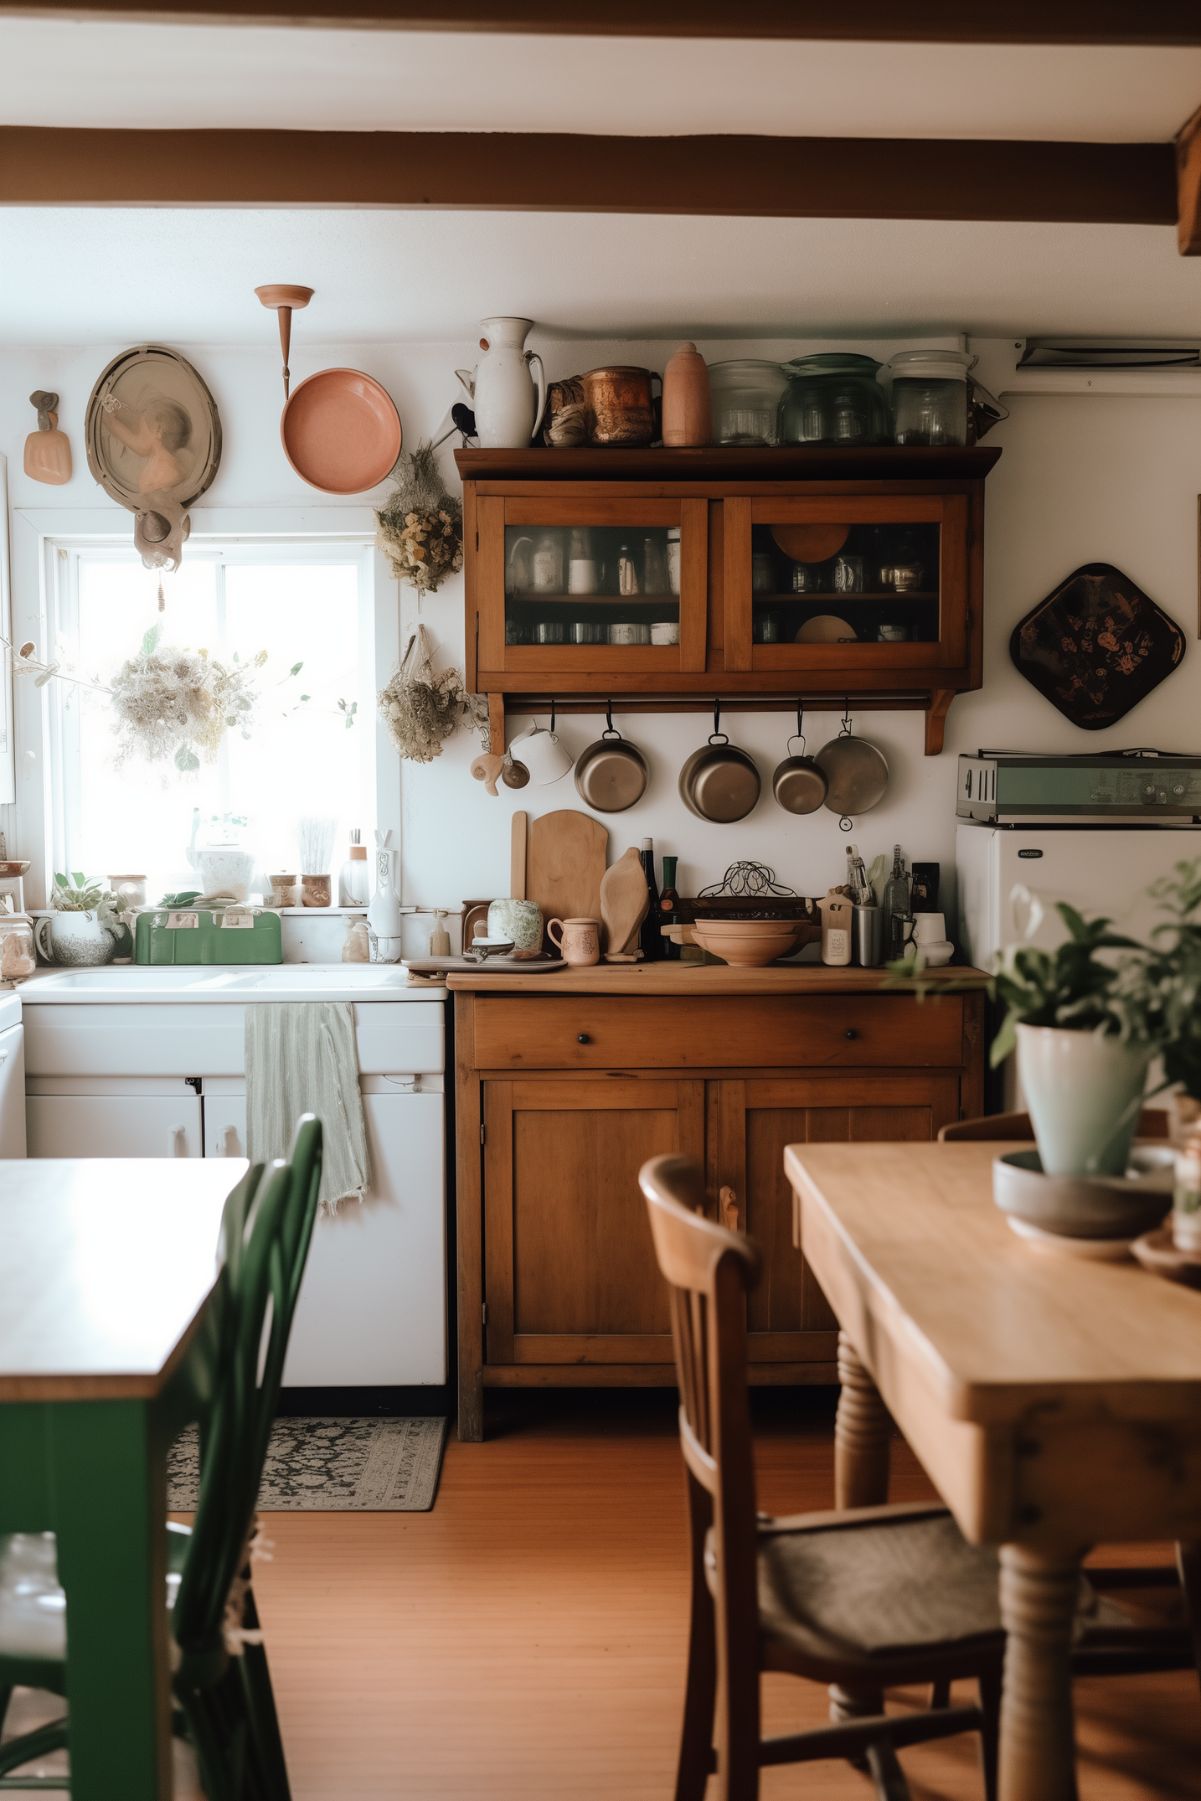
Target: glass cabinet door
x: 592, y: 586
x: 846, y: 583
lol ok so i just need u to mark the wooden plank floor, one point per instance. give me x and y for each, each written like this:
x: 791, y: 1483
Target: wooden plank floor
x: 523, y: 1641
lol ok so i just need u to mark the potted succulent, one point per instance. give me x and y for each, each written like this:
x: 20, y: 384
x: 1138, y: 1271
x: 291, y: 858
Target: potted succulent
x: 85, y: 925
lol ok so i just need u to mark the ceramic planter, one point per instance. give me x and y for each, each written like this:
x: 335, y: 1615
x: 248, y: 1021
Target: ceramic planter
x: 519, y: 923
x: 75, y: 939
x: 1083, y: 1091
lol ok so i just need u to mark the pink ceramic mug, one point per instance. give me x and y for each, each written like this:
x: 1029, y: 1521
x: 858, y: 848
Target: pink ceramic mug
x: 576, y: 940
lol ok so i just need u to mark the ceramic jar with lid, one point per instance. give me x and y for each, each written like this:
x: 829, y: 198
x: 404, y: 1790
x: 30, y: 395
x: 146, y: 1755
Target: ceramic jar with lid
x: 930, y: 396
x: 745, y: 394
x: 519, y: 923
x: 834, y: 398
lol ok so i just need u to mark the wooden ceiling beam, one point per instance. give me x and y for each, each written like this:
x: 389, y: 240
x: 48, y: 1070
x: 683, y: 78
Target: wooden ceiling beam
x: 1188, y: 186
x: 1155, y: 22
x: 839, y: 178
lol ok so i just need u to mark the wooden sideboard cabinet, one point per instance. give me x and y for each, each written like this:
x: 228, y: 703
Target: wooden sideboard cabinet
x: 562, y: 1096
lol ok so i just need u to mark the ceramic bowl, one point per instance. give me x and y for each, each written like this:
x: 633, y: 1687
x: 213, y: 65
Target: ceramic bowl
x: 1102, y: 1207
x: 746, y: 943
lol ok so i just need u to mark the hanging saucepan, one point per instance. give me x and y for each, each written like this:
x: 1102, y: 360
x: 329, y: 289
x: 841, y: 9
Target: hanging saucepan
x: 799, y: 783
x: 719, y: 782
x: 856, y: 773
x: 611, y: 774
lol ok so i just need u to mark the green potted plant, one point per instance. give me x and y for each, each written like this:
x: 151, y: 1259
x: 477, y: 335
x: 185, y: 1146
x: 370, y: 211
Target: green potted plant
x: 85, y: 924
x: 1085, y: 1033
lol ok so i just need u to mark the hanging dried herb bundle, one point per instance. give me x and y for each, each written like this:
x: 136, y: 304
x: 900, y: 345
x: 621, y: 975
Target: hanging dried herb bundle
x: 422, y: 706
x: 420, y: 524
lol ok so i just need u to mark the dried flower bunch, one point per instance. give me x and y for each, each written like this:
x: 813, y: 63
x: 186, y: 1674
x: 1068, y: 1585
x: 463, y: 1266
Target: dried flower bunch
x: 179, y: 703
x: 422, y: 706
x: 420, y: 524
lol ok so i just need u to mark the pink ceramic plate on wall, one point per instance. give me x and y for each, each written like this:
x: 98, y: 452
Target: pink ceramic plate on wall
x: 341, y: 431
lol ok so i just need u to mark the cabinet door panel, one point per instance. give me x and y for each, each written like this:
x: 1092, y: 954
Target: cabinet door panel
x: 95, y: 1125
x: 754, y: 1120
x: 570, y: 1272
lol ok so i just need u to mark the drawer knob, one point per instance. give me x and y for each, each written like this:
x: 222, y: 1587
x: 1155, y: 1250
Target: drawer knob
x: 851, y: 1033
x: 583, y: 1038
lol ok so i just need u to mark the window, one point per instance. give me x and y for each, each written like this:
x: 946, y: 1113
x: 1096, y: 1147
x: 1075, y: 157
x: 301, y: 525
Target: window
x: 299, y: 601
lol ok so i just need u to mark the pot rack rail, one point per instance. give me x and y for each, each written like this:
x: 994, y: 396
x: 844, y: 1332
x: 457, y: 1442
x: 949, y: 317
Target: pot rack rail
x: 529, y: 704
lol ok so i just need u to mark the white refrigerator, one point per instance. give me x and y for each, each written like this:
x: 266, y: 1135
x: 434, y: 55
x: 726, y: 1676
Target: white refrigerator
x: 1097, y: 869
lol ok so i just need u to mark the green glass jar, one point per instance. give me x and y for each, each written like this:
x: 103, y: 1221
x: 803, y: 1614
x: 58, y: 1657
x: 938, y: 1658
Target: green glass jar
x: 834, y: 399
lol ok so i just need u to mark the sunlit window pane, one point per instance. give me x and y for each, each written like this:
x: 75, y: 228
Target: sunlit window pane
x: 300, y: 758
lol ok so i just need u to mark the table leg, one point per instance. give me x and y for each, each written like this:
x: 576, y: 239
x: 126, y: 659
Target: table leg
x: 110, y: 1509
x: 1039, y: 1593
x: 862, y: 1430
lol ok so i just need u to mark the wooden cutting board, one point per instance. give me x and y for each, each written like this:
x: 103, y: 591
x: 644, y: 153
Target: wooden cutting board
x: 565, y: 856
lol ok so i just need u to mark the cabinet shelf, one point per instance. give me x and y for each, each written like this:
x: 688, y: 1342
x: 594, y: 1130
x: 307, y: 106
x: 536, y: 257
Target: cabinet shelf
x: 826, y: 597
x: 602, y: 603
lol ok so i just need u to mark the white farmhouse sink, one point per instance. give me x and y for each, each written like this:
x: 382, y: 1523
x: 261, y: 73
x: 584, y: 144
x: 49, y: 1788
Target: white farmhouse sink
x: 238, y: 983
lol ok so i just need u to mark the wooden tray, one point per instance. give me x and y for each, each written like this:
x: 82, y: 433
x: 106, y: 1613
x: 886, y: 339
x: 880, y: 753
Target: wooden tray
x: 500, y: 966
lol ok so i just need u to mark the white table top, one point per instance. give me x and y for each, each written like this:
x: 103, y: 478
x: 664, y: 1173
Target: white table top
x: 105, y: 1266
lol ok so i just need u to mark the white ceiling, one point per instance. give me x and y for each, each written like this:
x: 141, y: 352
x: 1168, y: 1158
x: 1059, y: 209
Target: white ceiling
x: 71, y: 72
x: 78, y: 276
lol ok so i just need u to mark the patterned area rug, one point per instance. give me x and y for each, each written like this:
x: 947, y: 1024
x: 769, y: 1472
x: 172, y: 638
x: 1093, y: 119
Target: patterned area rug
x: 333, y: 1466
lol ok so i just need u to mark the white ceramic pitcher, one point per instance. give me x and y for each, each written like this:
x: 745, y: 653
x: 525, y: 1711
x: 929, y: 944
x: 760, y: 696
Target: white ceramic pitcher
x: 507, y: 401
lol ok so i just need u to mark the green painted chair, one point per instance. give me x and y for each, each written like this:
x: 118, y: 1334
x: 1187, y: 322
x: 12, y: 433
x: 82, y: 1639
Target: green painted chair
x: 222, y: 1688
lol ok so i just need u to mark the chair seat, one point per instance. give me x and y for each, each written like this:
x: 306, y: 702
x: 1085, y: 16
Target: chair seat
x: 876, y: 1584
x: 33, y: 1607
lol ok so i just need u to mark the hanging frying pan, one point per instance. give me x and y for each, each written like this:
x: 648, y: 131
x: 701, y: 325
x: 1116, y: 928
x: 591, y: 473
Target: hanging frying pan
x: 799, y: 783
x: 340, y: 429
x: 611, y: 774
x: 719, y: 782
x: 856, y: 772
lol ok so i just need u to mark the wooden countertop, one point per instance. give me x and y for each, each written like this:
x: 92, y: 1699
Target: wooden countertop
x: 694, y: 978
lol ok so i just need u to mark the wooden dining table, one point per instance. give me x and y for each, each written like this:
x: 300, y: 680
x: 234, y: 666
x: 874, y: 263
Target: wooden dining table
x: 1054, y: 1402
x: 107, y: 1269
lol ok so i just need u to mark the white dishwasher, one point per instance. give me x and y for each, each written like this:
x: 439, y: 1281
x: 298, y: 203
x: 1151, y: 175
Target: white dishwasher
x: 372, y: 1308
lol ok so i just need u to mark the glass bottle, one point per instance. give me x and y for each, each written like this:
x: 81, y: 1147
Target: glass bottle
x: 896, y: 904
x: 654, y: 564
x: 650, y: 938
x: 627, y: 575
x: 669, y: 905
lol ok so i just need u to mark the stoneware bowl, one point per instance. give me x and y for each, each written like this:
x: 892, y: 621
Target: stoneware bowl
x: 746, y: 943
x: 1108, y: 1207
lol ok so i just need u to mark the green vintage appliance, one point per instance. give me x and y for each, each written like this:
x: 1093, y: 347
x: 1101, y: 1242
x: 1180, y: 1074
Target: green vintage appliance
x: 189, y: 928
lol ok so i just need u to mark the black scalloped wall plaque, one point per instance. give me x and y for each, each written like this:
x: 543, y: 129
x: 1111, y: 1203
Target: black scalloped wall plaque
x: 1096, y: 646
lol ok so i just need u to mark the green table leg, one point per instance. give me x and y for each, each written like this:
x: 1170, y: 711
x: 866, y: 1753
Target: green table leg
x: 108, y: 1470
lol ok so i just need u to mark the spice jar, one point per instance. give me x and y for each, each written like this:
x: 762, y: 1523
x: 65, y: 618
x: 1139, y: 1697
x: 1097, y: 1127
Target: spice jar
x: 284, y: 891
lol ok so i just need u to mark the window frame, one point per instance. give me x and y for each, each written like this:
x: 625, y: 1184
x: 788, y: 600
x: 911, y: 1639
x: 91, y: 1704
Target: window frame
x: 47, y: 548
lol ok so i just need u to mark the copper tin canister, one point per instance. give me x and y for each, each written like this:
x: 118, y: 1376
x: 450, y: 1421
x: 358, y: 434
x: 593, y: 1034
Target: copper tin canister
x: 620, y: 406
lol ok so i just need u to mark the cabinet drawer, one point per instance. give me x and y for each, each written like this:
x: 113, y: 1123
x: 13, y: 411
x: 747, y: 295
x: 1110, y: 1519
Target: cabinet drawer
x: 583, y: 1031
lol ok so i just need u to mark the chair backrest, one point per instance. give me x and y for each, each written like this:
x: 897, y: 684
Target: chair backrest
x: 1007, y: 1128
x: 709, y: 1272
x: 259, y: 1285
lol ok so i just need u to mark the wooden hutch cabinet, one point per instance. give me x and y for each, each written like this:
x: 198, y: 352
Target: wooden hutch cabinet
x: 561, y: 1096
x: 677, y: 575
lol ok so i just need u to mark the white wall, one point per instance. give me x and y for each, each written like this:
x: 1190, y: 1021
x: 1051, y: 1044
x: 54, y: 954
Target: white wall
x: 1082, y: 478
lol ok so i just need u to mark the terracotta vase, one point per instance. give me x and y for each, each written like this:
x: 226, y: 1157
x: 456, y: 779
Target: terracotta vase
x: 687, y: 414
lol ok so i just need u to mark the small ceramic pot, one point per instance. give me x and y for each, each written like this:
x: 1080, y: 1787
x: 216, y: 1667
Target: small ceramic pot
x: 520, y: 922
x: 1084, y: 1092
x: 316, y: 890
x: 226, y: 870
x: 576, y: 940
x: 285, y: 890
x: 76, y: 939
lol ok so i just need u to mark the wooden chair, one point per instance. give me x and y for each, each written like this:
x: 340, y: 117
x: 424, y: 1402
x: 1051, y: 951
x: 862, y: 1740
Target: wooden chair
x: 863, y: 1600
x: 224, y: 1702
x: 1128, y: 1639
x: 1010, y: 1128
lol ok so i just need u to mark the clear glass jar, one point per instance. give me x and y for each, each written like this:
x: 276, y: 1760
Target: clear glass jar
x: 17, y: 958
x: 746, y: 392
x: 929, y: 396
x: 835, y: 399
